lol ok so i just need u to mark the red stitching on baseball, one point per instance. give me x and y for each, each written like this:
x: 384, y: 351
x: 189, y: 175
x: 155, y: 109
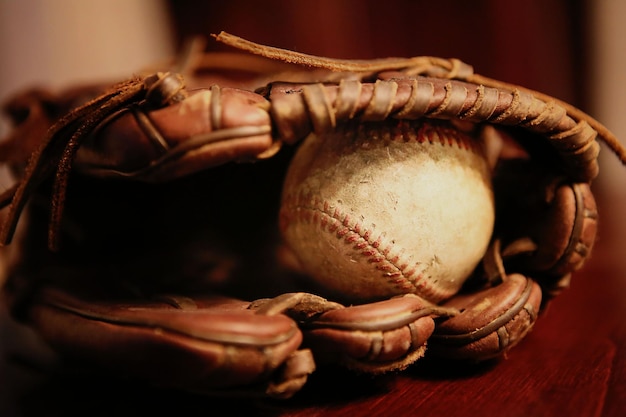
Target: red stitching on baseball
x: 411, y: 131
x: 332, y: 220
x: 328, y: 217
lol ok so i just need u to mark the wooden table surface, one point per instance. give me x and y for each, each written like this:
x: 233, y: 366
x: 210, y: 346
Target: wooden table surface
x: 572, y: 364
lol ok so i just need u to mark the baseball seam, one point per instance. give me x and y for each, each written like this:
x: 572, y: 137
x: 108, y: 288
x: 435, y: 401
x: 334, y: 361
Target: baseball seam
x: 407, y: 276
x: 376, y: 250
x: 404, y: 132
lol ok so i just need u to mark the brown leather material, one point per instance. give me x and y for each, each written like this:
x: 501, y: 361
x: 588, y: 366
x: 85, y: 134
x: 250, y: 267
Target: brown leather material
x: 491, y: 321
x: 376, y: 337
x: 200, y: 344
x: 383, y: 315
x: 567, y: 231
x: 547, y: 224
x: 209, y: 128
x: 411, y: 97
x: 298, y: 109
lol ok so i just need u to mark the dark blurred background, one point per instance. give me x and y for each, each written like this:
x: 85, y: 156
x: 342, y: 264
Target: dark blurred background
x: 536, y: 43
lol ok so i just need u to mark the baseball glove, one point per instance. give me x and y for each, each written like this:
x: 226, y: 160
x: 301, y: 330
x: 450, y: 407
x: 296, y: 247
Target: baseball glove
x: 158, y: 227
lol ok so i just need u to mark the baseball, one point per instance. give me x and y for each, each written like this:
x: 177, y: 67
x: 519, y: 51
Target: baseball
x: 373, y: 211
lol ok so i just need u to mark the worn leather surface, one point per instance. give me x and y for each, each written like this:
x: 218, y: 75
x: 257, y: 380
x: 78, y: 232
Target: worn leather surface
x: 490, y: 321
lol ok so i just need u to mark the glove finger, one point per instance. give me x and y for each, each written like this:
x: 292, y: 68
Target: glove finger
x: 567, y: 233
x: 491, y: 321
x: 204, y: 345
x: 374, y: 338
x: 209, y: 128
x: 548, y: 230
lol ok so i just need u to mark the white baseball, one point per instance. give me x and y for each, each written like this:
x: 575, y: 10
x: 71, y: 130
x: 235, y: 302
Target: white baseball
x: 376, y: 211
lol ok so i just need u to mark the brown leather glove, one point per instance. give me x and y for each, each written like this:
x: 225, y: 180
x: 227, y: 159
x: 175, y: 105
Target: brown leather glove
x: 155, y: 234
